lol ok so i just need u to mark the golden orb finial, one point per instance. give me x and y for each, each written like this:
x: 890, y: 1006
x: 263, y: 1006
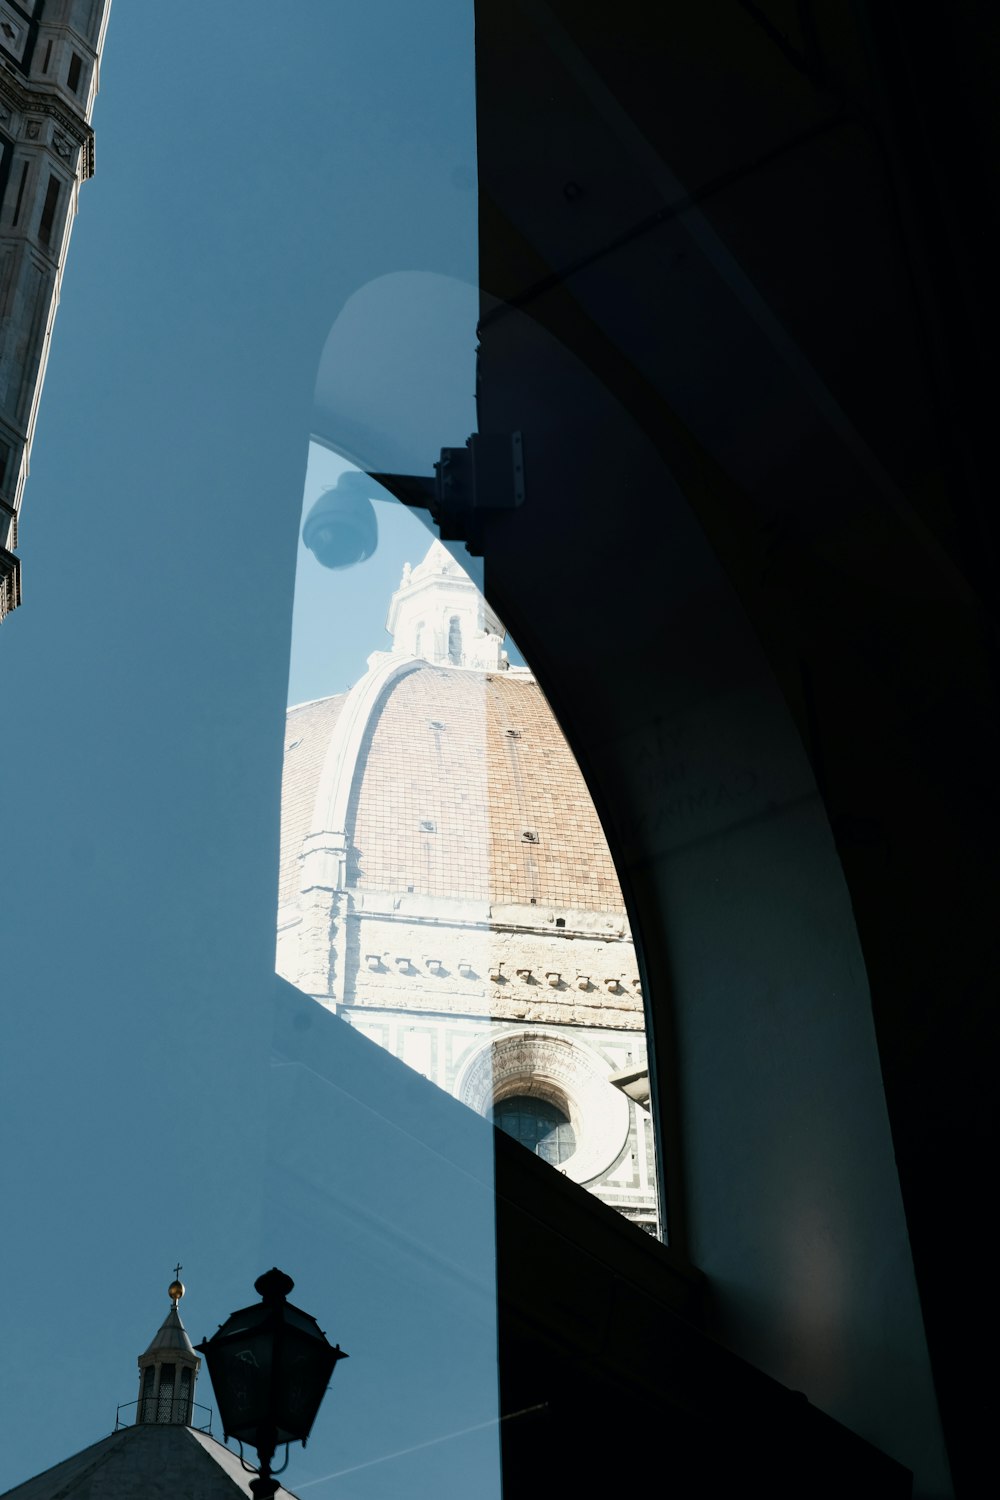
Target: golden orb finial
x: 175, y: 1290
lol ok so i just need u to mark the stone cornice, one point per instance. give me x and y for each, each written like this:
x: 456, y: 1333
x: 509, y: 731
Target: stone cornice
x: 46, y: 102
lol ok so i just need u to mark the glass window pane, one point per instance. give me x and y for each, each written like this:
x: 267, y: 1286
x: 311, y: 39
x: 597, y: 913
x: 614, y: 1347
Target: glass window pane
x: 150, y: 662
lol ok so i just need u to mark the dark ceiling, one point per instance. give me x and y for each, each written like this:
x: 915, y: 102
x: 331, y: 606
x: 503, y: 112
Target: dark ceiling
x: 752, y: 246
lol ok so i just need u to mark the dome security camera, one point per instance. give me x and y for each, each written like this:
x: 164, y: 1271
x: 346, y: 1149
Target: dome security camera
x: 341, y: 529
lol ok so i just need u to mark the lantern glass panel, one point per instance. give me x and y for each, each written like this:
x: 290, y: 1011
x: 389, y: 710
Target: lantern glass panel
x: 303, y: 1372
x: 241, y: 1370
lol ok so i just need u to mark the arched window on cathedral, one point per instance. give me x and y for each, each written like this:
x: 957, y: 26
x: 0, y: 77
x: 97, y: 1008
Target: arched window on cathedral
x: 538, y: 1125
x: 455, y: 641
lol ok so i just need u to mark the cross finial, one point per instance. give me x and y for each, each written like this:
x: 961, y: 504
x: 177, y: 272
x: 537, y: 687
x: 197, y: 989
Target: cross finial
x: 175, y: 1290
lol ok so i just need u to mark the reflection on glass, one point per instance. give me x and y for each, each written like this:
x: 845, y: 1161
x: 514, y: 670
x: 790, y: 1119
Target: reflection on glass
x: 446, y: 887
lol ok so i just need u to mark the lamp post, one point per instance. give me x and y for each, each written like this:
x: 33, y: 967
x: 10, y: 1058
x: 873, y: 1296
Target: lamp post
x: 270, y: 1365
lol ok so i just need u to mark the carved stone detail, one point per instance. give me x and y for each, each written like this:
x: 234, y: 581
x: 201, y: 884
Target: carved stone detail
x: 15, y: 98
x: 569, y: 1075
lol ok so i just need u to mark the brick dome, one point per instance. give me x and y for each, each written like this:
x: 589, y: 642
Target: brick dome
x: 463, y: 786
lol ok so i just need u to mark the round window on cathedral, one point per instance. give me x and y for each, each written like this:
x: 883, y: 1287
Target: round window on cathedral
x: 537, y: 1124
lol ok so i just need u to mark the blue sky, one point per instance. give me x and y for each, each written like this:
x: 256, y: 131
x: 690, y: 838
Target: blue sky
x: 256, y: 168
x: 338, y: 617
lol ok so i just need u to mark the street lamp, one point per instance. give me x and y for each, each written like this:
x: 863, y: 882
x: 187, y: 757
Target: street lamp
x: 270, y: 1365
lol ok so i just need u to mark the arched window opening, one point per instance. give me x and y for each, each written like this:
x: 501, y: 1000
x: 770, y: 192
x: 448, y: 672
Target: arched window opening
x: 512, y: 909
x: 467, y: 884
x: 538, y: 1125
x: 477, y: 889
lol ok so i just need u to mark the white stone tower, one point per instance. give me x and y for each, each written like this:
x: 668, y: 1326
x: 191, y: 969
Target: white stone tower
x: 50, y: 53
x: 438, y: 614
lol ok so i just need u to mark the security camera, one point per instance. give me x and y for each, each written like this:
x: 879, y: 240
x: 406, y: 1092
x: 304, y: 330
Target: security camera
x: 341, y: 528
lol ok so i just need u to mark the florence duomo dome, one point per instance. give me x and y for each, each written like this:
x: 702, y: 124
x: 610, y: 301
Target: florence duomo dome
x: 446, y: 888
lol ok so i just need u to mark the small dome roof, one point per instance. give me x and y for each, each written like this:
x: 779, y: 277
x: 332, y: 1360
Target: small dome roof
x: 150, y: 1461
x: 171, y: 1335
